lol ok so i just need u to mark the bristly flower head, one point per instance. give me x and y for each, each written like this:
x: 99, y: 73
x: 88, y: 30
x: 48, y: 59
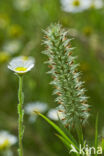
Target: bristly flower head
x: 21, y: 64
x: 66, y: 79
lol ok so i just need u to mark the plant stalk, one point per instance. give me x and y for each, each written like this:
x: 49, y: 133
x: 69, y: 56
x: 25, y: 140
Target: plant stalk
x: 20, y: 116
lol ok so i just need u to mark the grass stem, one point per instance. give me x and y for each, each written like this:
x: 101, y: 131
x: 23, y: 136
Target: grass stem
x: 20, y: 116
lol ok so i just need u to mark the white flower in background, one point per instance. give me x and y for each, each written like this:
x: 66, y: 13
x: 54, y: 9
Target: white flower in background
x: 22, y: 5
x: 97, y: 4
x: 12, y: 46
x: 35, y: 106
x: 7, y: 152
x: 21, y: 64
x: 55, y: 114
x: 6, y: 139
x: 75, y: 6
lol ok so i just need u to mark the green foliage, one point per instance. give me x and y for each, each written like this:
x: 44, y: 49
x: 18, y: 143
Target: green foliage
x: 66, y: 79
x: 62, y: 136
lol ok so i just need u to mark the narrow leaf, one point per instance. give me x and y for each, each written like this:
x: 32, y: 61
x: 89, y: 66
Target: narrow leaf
x: 57, y: 129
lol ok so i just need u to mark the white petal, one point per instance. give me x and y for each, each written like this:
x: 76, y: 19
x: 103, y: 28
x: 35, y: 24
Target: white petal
x: 39, y: 106
x: 53, y: 114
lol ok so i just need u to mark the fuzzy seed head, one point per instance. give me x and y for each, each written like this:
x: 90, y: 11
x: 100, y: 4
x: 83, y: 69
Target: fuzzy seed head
x: 66, y: 78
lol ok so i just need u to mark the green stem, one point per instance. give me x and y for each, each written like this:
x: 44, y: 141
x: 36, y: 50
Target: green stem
x: 20, y: 116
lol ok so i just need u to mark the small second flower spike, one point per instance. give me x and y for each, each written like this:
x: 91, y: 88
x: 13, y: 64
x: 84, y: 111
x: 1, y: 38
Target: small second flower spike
x: 21, y: 64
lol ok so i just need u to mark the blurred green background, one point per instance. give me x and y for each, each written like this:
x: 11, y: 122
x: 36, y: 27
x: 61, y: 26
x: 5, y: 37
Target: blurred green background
x: 23, y: 27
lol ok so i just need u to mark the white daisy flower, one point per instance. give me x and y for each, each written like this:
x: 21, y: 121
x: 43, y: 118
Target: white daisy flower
x: 35, y: 106
x: 54, y: 114
x: 97, y: 4
x: 22, y: 5
x: 6, y: 139
x: 21, y: 64
x: 7, y: 152
x: 75, y: 6
x: 12, y: 46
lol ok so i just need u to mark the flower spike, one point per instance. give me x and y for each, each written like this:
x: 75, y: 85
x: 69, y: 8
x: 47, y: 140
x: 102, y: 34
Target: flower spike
x: 66, y: 79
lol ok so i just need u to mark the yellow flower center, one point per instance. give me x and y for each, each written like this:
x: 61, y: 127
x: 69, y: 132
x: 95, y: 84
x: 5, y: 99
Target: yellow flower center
x: 92, y: 6
x: 35, y: 110
x: 4, y: 145
x: 25, y: 58
x: 19, y: 69
x: 15, y: 31
x: 76, y: 3
x: 87, y: 31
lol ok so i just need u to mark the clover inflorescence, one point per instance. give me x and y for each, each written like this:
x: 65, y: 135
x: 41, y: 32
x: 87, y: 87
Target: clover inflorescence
x: 66, y: 78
